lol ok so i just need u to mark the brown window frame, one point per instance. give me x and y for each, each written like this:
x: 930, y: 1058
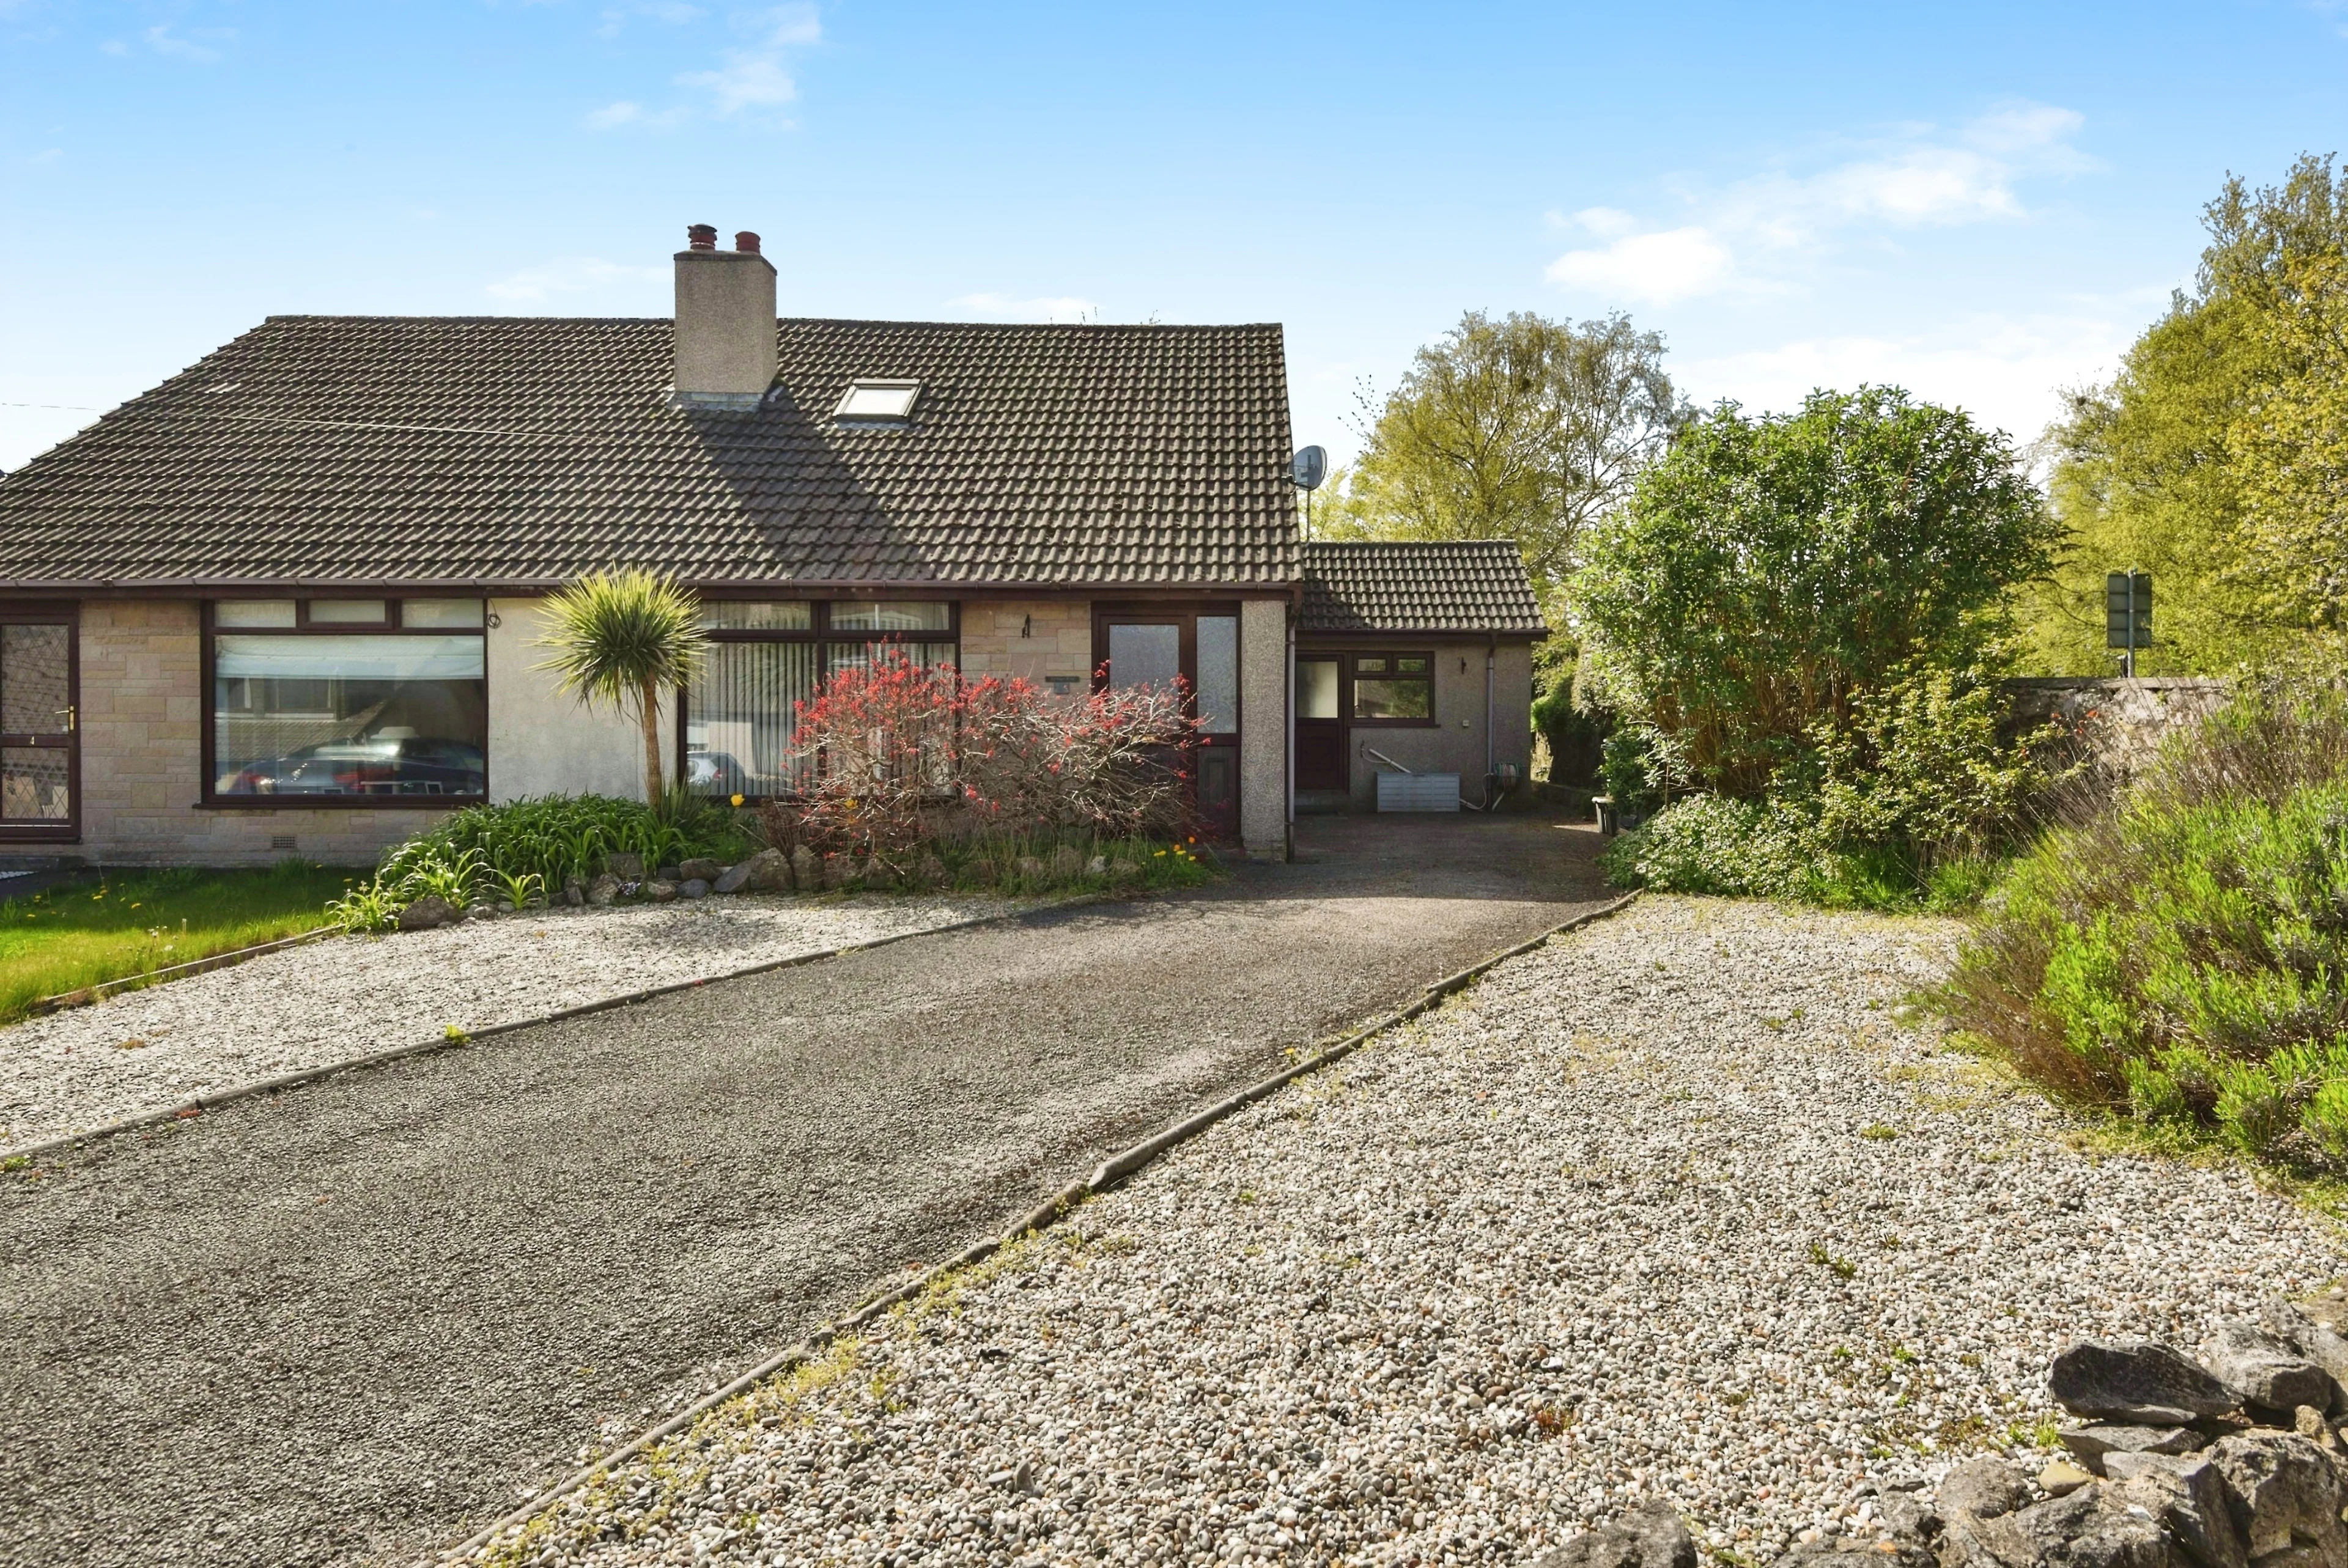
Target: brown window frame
x: 1432, y: 721
x: 820, y: 633
x: 211, y: 799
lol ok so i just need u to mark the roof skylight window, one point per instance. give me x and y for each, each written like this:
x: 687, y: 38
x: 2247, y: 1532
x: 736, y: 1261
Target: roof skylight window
x: 874, y: 402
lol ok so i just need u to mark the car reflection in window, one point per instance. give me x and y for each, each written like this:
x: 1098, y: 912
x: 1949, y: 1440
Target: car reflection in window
x: 389, y: 761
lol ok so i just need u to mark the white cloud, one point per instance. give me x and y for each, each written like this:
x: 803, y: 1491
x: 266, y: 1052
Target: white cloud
x: 163, y: 41
x: 1060, y: 308
x: 1655, y: 269
x: 754, y: 77
x: 1750, y: 233
x: 747, y: 80
x: 570, y: 276
x: 2005, y: 369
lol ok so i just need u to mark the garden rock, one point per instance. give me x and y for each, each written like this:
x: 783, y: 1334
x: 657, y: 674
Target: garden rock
x: 732, y: 879
x: 668, y: 873
x: 1028, y: 868
x: 2311, y: 1340
x: 693, y: 887
x: 699, y: 870
x: 1067, y: 863
x: 1647, y: 1537
x: 605, y: 891
x: 427, y: 912
x: 2263, y: 1369
x: 626, y: 864
x: 661, y: 892
x: 2326, y: 1308
x: 2283, y: 1491
x: 1972, y: 1498
x: 574, y: 892
x: 2094, y: 1527
x: 837, y: 870
x: 807, y: 871
x: 2187, y: 1495
x: 2063, y: 1478
x: 2138, y: 1381
x: 769, y: 871
x: 1849, y: 1552
x: 929, y: 873
x: 2088, y: 1445
x: 878, y: 873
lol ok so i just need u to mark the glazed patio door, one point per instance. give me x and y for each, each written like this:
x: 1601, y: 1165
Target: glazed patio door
x: 40, y: 743
x: 1203, y: 650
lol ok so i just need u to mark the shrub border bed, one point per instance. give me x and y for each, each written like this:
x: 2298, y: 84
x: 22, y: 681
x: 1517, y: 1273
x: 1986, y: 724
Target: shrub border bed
x: 1107, y: 1175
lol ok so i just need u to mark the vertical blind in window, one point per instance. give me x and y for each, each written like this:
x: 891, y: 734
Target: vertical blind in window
x: 741, y: 715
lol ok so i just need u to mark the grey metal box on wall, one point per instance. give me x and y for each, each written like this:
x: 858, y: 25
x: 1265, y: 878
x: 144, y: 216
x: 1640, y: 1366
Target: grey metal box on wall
x: 1418, y: 791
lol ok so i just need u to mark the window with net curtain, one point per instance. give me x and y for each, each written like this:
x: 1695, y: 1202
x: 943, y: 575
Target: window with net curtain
x: 399, y: 711
x: 766, y: 659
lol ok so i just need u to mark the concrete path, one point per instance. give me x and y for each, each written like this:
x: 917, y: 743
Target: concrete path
x: 355, y: 1322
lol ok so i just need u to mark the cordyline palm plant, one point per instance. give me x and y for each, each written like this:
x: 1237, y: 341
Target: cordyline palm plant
x: 619, y: 638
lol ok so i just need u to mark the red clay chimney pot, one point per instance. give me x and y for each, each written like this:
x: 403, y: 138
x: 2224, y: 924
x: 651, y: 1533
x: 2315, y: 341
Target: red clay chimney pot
x: 746, y: 241
x: 701, y: 236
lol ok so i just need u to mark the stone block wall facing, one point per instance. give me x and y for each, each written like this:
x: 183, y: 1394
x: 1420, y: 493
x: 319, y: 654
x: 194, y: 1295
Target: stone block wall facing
x: 1048, y: 642
x: 142, y: 760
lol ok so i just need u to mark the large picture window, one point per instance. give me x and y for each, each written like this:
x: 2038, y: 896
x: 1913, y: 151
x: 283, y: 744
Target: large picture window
x: 348, y: 699
x: 741, y: 712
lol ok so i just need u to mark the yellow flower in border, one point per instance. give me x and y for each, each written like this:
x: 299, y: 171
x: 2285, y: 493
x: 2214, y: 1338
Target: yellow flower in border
x: 738, y: 799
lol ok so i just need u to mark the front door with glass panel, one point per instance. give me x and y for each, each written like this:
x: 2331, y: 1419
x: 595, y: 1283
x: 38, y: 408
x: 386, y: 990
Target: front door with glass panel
x: 1320, y: 755
x: 1203, y: 652
x: 40, y: 743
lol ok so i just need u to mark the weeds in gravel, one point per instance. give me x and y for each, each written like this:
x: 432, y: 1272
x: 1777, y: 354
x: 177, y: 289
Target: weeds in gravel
x: 127, y: 924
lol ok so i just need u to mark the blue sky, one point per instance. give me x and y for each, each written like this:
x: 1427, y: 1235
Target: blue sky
x: 1982, y: 202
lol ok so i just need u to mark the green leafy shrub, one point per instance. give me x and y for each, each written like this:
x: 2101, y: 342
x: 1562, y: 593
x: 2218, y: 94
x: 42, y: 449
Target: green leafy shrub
x: 2183, y: 958
x: 1710, y: 843
x: 520, y: 851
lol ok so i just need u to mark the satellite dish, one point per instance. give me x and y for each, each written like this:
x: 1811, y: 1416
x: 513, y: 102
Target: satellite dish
x: 1309, y: 468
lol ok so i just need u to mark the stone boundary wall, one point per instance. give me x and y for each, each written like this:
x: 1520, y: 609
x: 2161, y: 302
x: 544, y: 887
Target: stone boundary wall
x: 2125, y: 721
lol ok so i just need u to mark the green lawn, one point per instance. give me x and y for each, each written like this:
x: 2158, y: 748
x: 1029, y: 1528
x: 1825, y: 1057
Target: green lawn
x: 129, y: 922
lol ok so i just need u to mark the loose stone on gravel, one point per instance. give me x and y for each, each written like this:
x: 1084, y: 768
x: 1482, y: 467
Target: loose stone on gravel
x: 349, y: 996
x: 1670, y: 1212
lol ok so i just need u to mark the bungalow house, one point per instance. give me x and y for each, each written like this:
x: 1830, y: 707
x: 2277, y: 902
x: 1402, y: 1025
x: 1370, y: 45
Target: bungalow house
x: 285, y: 602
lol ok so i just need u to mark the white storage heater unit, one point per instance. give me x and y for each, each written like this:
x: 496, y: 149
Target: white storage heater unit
x: 1417, y: 792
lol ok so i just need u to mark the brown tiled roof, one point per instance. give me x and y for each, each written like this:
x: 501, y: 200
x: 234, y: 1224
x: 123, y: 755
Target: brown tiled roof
x: 1467, y: 585
x: 521, y: 451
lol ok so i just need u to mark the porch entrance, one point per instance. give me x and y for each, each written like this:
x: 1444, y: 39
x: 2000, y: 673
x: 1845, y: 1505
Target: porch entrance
x: 1154, y: 647
x: 40, y: 743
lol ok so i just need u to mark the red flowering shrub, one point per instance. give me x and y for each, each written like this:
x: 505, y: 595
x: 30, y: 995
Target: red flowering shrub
x: 894, y: 752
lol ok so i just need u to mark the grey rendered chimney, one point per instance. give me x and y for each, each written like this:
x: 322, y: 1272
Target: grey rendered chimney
x: 725, y: 321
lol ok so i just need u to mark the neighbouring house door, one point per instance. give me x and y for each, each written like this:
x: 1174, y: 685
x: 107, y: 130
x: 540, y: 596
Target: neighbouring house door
x: 1202, y: 651
x: 40, y: 744
x: 1320, y: 730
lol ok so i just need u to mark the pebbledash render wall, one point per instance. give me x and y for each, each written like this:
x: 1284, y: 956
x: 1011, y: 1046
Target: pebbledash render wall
x: 1455, y: 743
x: 142, y: 759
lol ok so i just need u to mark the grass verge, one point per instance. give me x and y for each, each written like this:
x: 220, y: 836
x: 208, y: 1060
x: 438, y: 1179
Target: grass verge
x: 125, y: 923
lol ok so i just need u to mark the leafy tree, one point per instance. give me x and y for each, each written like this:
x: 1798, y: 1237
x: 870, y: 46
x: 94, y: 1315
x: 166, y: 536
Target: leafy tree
x: 2216, y: 413
x: 620, y: 639
x: 1768, y: 571
x: 2289, y: 450
x: 1519, y: 428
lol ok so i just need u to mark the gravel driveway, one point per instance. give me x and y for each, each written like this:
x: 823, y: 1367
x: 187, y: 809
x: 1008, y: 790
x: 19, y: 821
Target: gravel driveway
x: 350, y: 995
x: 357, y: 1321
x: 1669, y: 1208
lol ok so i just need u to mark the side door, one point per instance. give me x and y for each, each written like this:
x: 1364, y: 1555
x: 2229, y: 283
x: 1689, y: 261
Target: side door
x: 40, y: 739
x: 1321, y: 753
